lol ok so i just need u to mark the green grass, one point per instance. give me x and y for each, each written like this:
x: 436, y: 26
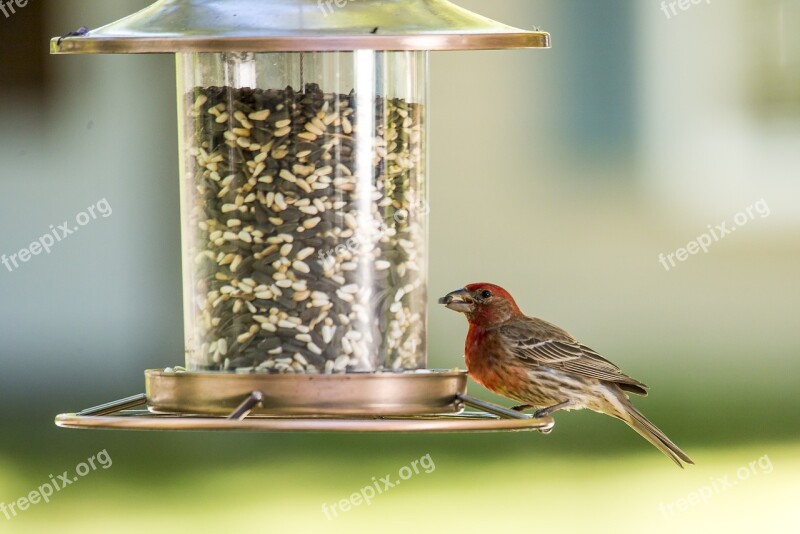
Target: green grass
x: 592, y: 474
x: 276, y: 492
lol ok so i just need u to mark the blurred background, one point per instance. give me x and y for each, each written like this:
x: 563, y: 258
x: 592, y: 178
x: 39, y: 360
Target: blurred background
x: 560, y: 174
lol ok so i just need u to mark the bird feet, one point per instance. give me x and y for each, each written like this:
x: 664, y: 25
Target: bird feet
x: 544, y: 412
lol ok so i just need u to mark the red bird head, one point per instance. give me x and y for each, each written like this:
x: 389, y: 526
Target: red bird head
x: 482, y: 303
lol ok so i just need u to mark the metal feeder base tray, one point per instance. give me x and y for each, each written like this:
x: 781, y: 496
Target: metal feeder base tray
x: 425, y: 400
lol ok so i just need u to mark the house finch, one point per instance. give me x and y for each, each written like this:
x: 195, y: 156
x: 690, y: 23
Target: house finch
x: 540, y: 365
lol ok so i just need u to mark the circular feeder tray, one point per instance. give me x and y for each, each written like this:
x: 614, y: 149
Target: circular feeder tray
x: 143, y: 420
x: 349, y: 394
x: 419, y: 401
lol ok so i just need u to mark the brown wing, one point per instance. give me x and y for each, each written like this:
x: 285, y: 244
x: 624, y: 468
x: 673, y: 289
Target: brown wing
x: 538, y: 343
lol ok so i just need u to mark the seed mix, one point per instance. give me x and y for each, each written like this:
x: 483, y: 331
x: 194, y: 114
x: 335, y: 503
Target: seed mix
x: 303, y: 263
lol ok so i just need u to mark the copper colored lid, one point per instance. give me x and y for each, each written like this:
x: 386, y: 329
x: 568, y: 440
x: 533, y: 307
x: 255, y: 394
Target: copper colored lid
x: 170, y: 26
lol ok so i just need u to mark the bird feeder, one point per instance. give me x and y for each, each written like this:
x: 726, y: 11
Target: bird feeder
x: 303, y: 134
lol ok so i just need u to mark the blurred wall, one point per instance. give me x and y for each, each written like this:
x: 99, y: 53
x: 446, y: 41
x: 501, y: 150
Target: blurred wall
x: 719, y: 114
x: 105, y: 302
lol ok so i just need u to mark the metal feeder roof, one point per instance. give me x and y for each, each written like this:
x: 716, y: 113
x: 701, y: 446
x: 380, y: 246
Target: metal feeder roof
x: 170, y: 26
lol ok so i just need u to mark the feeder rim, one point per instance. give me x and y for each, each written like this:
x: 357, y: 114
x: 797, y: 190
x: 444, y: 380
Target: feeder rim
x: 207, y: 26
x: 124, y: 415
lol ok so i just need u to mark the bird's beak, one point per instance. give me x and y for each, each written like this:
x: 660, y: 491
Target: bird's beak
x: 459, y: 300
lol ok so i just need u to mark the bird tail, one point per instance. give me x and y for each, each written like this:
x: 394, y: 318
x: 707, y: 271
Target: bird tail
x: 637, y: 421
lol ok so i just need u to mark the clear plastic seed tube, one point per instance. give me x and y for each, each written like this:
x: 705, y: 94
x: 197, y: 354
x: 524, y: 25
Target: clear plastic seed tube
x: 304, y: 210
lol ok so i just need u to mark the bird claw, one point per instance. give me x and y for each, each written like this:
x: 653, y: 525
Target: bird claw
x: 544, y: 412
x: 538, y: 414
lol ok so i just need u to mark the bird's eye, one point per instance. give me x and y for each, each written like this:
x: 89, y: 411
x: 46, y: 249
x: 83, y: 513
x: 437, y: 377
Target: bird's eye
x: 485, y: 294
